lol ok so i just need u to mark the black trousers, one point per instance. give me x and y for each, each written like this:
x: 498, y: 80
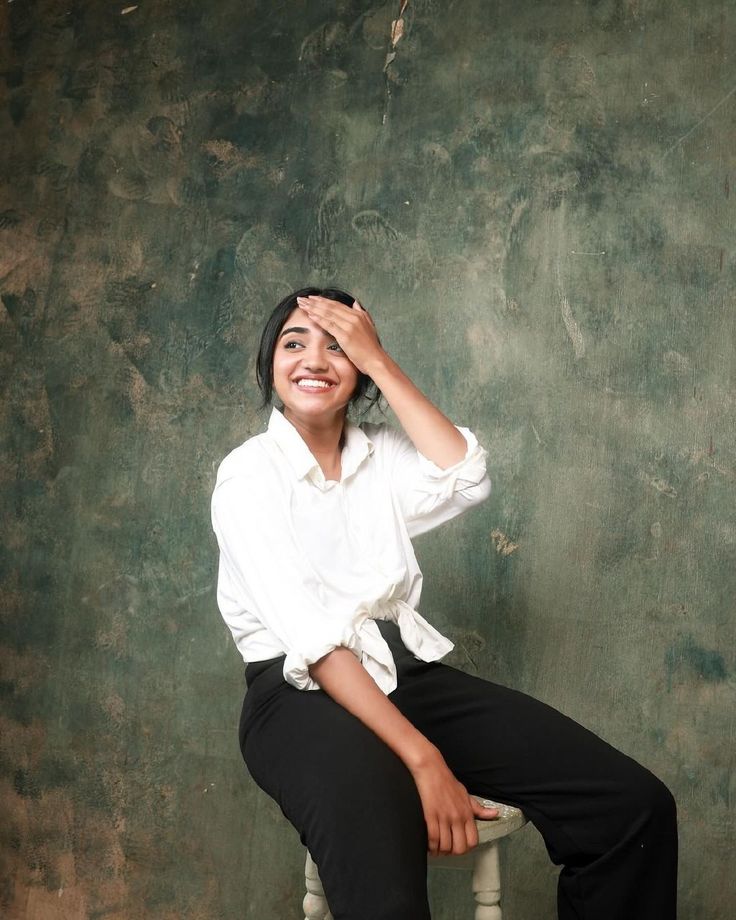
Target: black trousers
x: 606, y: 820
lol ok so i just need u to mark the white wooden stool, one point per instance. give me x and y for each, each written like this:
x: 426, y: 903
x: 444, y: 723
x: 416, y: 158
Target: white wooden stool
x: 483, y: 860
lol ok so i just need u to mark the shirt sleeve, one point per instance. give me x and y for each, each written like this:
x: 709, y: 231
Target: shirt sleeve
x: 427, y: 494
x: 271, y: 578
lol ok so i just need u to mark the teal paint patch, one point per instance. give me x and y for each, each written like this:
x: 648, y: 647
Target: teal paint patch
x: 688, y: 658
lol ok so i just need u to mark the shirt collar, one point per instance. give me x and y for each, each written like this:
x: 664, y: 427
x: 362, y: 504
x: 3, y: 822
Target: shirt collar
x: 357, y: 446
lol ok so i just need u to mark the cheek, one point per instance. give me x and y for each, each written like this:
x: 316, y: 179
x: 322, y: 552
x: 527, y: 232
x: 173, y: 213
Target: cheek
x: 279, y: 377
x: 349, y: 373
x: 282, y: 362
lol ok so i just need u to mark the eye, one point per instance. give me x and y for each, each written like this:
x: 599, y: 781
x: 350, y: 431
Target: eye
x: 335, y: 347
x: 292, y: 344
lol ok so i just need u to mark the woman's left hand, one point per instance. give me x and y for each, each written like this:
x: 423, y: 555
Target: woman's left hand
x: 352, y: 327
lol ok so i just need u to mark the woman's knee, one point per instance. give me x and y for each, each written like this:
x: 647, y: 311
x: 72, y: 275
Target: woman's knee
x: 662, y: 804
x: 649, y: 799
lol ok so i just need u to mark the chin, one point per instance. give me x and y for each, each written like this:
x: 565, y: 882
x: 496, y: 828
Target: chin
x: 313, y: 409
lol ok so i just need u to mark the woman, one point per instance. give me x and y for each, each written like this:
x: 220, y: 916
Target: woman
x: 349, y: 719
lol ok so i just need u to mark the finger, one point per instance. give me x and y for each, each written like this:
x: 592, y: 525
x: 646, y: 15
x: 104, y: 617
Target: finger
x: 363, y: 310
x: 314, y: 300
x: 445, y: 843
x: 433, y: 837
x: 459, y: 841
x: 332, y: 324
x: 464, y: 835
x: 486, y: 812
x: 326, y: 318
x: 311, y: 303
x: 322, y: 307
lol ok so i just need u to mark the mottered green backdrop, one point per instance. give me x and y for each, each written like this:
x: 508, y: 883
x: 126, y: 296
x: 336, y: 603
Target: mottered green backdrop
x: 534, y: 200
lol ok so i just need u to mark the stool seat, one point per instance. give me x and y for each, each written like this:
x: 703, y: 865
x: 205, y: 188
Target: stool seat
x: 509, y: 819
x: 482, y: 859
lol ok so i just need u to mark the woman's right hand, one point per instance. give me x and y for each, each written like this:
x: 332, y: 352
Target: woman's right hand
x: 449, y: 810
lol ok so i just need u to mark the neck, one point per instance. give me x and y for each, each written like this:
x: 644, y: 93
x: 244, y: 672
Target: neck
x: 323, y: 436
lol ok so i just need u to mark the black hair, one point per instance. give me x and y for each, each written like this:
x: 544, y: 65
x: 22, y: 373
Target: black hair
x: 365, y: 388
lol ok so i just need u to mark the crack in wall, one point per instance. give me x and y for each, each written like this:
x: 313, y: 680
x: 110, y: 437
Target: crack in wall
x: 397, y: 33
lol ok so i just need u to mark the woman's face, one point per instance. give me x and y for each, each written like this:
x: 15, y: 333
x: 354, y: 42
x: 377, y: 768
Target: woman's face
x: 311, y: 373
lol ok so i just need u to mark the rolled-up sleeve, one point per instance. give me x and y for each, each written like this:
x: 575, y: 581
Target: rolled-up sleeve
x: 264, y: 575
x: 427, y: 494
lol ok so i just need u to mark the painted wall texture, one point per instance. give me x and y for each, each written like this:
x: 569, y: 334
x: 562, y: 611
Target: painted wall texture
x: 534, y: 199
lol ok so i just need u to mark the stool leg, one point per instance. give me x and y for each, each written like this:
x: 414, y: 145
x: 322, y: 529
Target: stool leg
x: 314, y: 904
x: 487, y: 883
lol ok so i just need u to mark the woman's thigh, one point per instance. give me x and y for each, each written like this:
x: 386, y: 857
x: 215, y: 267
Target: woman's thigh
x: 352, y: 800
x: 581, y: 792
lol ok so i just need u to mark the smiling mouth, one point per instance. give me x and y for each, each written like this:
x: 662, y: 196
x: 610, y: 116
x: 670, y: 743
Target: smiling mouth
x: 314, y: 386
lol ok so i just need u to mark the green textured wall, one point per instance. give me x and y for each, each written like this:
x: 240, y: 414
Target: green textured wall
x: 534, y: 200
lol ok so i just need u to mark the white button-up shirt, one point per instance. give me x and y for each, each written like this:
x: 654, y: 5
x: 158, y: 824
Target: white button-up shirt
x: 308, y: 564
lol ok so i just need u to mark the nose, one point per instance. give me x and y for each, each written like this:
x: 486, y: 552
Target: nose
x: 314, y: 357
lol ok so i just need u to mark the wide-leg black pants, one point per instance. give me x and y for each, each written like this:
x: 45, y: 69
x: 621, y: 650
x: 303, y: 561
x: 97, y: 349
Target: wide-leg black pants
x: 605, y: 819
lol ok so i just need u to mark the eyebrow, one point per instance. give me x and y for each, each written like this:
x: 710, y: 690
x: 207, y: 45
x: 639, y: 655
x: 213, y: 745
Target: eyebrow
x: 302, y: 330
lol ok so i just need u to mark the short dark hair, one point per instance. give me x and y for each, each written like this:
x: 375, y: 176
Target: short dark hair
x: 365, y: 388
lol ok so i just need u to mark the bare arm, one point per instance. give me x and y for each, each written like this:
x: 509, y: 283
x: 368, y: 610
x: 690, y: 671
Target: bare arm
x: 448, y: 809
x: 432, y: 433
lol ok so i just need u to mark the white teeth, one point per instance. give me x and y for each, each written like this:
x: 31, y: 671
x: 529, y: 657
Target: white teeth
x: 313, y: 384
